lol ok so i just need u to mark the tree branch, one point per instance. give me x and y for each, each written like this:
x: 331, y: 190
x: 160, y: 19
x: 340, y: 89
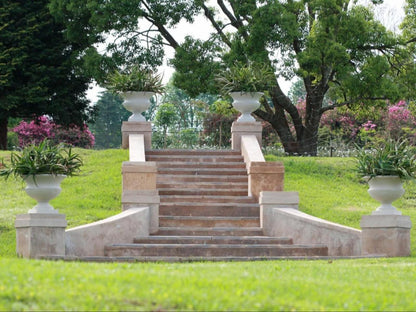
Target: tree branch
x: 333, y: 106
x: 210, y: 16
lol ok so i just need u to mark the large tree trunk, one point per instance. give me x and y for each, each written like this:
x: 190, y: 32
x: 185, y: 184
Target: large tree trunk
x: 3, y: 133
x: 298, y: 136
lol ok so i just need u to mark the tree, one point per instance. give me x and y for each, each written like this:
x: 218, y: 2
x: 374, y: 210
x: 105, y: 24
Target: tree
x: 335, y: 47
x: 39, y: 68
x: 107, y: 123
x: 166, y: 116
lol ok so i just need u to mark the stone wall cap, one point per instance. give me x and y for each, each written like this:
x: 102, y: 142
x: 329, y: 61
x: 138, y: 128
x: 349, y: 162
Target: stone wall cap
x: 278, y: 198
x: 266, y: 167
x: 139, y: 166
x: 386, y: 221
x: 40, y: 220
x: 246, y: 126
x: 143, y: 197
x: 308, y: 219
x: 136, y: 126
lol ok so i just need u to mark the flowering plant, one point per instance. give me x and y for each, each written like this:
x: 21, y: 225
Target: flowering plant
x: 36, y: 131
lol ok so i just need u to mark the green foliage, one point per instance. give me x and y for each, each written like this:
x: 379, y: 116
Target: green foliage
x: 196, y: 67
x: 40, y: 72
x: 44, y: 158
x: 319, y: 285
x: 334, y: 47
x: 107, y: 124
x: 250, y: 78
x: 391, y: 158
x: 166, y: 116
x: 135, y: 79
x: 12, y: 140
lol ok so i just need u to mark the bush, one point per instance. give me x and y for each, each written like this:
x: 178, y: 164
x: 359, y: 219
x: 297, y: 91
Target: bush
x: 36, y: 131
x: 12, y: 140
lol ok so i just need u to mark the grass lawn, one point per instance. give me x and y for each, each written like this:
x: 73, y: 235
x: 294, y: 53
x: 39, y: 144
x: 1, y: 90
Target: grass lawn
x: 328, y: 189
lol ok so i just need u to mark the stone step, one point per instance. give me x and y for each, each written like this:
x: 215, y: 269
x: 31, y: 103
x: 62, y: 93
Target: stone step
x: 210, y: 231
x: 207, y: 165
x: 194, y: 158
x: 213, y: 240
x: 203, y: 171
x: 203, y: 192
x: 210, y: 209
x: 206, y: 199
x: 193, y: 152
x: 202, y: 221
x: 201, y: 178
x: 214, y: 250
x: 203, y: 185
x: 133, y: 259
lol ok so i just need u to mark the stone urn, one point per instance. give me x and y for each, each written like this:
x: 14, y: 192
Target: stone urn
x: 137, y: 102
x: 246, y: 103
x: 386, y: 189
x: 43, y: 188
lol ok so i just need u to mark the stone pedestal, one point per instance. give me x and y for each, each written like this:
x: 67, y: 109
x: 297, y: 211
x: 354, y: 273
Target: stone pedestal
x: 139, y: 189
x: 136, y: 127
x: 269, y: 200
x: 265, y: 176
x: 40, y: 234
x: 139, y: 175
x: 144, y: 198
x: 387, y: 235
x: 239, y: 129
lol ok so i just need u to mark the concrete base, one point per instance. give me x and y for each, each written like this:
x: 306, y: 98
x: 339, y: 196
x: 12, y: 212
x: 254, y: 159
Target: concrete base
x: 144, y: 198
x: 136, y: 127
x: 238, y: 129
x: 40, y: 234
x: 387, y: 235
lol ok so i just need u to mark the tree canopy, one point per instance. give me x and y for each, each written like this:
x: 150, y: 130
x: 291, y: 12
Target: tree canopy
x: 40, y: 70
x: 336, y: 48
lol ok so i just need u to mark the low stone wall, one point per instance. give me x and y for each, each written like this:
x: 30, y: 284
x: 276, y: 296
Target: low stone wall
x: 90, y: 239
x: 306, y: 229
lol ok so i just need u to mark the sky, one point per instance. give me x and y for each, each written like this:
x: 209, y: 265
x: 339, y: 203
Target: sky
x: 390, y: 13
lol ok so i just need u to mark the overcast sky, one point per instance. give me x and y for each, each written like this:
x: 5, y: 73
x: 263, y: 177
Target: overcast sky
x: 391, y: 13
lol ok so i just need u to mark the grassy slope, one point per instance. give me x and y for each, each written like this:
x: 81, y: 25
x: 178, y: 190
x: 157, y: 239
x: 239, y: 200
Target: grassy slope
x: 328, y: 189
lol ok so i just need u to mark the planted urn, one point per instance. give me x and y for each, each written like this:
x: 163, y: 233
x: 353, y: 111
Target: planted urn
x: 385, y: 167
x: 136, y: 85
x: 42, y: 167
x: 245, y: 83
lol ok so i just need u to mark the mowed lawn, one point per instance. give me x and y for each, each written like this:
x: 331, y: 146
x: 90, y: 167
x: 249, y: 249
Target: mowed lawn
x: 328, y: 189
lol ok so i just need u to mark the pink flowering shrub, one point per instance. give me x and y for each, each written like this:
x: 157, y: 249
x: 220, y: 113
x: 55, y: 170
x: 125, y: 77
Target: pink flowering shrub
x: 400, y: 122
x: 43, y: 128
x: 362, y: 126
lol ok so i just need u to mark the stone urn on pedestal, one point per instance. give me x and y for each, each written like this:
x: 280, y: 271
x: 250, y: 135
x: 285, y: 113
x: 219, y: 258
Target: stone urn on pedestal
x: 245, y: 84
x: 41, y: 231
x: 43, y: 167
x: 385, y: 167
x: 136, y: 85
x: 246, y: 103
x: 137, y: 102
x: 43, y: 188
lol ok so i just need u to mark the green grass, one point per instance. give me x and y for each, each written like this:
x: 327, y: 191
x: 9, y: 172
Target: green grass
x: 375, y: 284
x: 328, y: 189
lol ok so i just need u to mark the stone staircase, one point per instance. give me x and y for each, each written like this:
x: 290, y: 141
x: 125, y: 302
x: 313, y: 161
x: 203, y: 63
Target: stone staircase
x: 205, y: 213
